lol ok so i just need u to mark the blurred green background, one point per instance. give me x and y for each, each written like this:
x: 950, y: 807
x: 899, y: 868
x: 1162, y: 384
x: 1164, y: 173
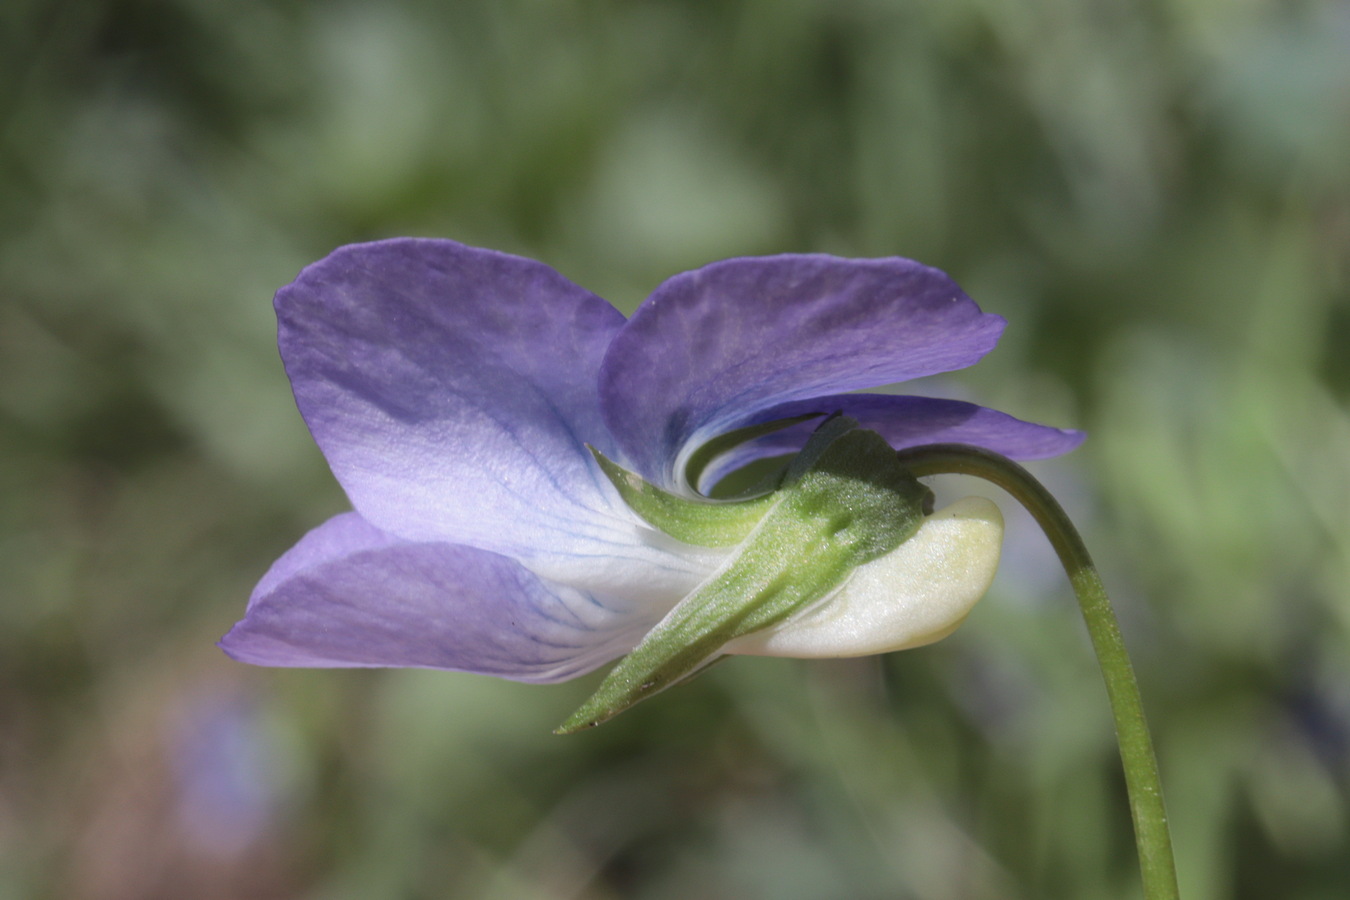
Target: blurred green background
x: 1155, y: 194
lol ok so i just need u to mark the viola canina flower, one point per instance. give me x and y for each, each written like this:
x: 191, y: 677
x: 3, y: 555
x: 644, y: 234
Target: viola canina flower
x: 529, y: 470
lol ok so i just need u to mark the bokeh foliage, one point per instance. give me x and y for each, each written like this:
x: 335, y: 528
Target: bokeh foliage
x: 1157, y: 196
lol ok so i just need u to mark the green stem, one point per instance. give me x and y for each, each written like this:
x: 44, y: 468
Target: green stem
x: 1136, y: 747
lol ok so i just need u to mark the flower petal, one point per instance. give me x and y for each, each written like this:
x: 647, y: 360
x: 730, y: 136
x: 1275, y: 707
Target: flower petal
x: 452, y: 390
x: 903, y: 421
x: 713, y: 347
x: 351, y: 595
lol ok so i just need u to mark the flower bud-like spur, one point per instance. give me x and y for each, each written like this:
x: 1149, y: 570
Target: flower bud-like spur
x: 841, y: 560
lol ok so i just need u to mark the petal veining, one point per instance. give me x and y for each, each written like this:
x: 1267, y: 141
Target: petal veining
x: 452, y: 390
x: 351, y: 595
x: 712, y: 348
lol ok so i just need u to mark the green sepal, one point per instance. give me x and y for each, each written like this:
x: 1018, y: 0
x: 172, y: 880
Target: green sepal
x: 705, y: 523
x: 852, y: 504
x: 701, y: 458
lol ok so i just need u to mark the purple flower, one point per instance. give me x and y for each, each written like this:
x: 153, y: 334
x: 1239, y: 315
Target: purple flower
x: 455, y: 391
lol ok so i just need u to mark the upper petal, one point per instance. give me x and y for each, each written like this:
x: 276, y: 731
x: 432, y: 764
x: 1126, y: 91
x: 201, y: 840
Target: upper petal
x: 712, y: 347
x: 903, y: 421
x: 351, y: 595
x: 452, y: 390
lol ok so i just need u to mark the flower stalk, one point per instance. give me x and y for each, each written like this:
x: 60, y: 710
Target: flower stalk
x: 1152, y: 837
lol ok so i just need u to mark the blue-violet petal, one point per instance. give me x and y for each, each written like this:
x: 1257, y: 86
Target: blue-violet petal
x: 351, y: 595
x: 452, y: 391
x: 713, y: 348
x: 904, y: 421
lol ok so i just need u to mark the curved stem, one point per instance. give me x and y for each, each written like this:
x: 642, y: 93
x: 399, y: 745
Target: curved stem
x: 1136, y: 747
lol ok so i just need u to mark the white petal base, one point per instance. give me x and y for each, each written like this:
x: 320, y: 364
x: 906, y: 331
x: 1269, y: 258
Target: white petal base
x: 917, y: 594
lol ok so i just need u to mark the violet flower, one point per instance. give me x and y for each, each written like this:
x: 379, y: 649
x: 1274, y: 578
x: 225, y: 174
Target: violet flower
x: 456, y: 392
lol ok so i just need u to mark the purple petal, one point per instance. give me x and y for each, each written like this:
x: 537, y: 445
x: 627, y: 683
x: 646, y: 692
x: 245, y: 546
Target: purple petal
x: 712, y: 348
x: 351, y: 595
x: 904, y: 422
x: 452, y: 389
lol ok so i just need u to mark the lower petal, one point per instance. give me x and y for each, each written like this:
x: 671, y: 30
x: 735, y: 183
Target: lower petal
x: 351, y: 595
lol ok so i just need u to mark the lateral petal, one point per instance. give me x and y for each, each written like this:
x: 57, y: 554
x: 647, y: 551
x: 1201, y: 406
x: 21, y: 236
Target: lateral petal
x: 352, y: 595
x: 903, y: 421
